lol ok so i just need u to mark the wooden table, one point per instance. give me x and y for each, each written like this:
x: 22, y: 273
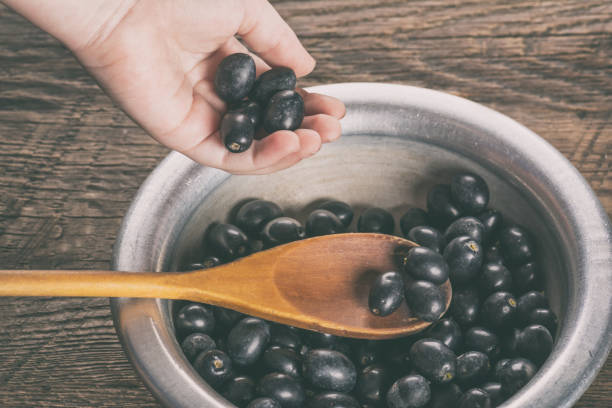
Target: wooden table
x: 70, y: 161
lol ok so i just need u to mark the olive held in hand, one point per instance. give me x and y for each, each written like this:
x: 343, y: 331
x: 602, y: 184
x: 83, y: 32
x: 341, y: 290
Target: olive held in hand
x: 272, y: 81
x: 323, y: 222
x: 247, y: 340
x: 433, y: 360
x: 427, y: 236
x: 475, y: 398
x: 442, y: 211
x: 214, y: 366
x: 413, y: 217
x: 227, y: 241
x: 264, y: 403
x: 236, y: 131
x: 472, y: 367
x: 372, y: 383
x: 535, y: 343
x: 285, y: 111
x: 516, y: 374
x: 249, y: 108
x: 386, y: 293
x: 283, y: 388
x: 329, y: 370
x: 426, y: 300
x: 448, y: 332
x: 282, y: 230
x: 254, y: 215
x: 426, y: 264
x: 377, y: 220
x: 465, y: 226
x: 409, y: 392
x: 464, y: 258
x: 342, y: 210
x: 333, y: 400
x: 239, y: 390
x: 235, y: 77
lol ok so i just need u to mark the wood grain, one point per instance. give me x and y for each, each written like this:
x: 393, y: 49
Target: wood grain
x: 70, y: 161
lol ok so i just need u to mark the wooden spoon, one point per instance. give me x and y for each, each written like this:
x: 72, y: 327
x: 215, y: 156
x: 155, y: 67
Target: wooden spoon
x: 320, y: 283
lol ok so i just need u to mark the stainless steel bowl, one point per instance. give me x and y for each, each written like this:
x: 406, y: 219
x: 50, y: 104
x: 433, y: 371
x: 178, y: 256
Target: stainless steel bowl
x: 397, y: 141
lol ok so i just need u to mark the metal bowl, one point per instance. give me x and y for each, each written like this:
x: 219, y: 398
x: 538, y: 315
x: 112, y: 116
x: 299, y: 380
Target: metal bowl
x: 397, y: 142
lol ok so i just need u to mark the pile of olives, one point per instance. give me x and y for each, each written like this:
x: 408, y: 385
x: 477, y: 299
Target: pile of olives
x: 498, y: 331
x: 269, y: 102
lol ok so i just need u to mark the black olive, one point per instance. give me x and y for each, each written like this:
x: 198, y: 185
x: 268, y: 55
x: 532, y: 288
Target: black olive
x: 247, y: 340
x: 414, y: 217
x: 409, y: 392
x: 425, y: 300
x: 194, y: 317
x: 197, y: 343
x: 365, y: 352
x: 499, y: 310
x: 426, y: 264
x: 249, y: 108
x: 432, y: 359
x: 329, y: 370
x: 469, y: 192
x: 516, y: 245
x: 444, y: 395
x: 377, y: 220
x: 264, y: 403
x: 272, y: 81
x: 464, y: 258
x: 515, y: 374
x: 333, y: 400
x: 509, y: 342
x: 492, y: 221
x: 285, y: 336
x: 372, y: 383
x: 472, y: 368
x: 214, y: 366
x: 320, y: 340
x: 227, y: 317
x: 239, y: 391
x: 493, y: 254
x: 494, y: 389
x: 481, y: 339
x: 284, y: 111
x: 281, y: 360
x: 448, y: 332
x: 428, y: 237
x: 527, y: 302
x: 465, y: 226
x: 227, y: 241
x: 442, y: 211
x: 395, y: 356
x: 494, y: 278
x: 342, y: 210
x: 525, y: 277
x: 500, y: 366
x: 254, y: 215
x: 323, y: 222
x: 535, y: 343
x: 283, y: 388
x: 465, y: 306
x: 282, y: 230
x: 236, y: 131
x: 207, y: 262
x: 544, y: 317
x: 386, y: 293
x: 475, y: 398
x: 235, y: 77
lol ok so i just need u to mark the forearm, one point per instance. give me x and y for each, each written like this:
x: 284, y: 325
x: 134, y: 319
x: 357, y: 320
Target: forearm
x: 76, y: 23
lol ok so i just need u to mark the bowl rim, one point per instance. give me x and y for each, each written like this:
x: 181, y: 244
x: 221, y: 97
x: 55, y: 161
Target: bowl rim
x: 138, y: 318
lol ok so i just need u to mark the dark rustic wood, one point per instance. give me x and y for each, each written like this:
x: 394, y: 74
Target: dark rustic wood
x: 70, y: 161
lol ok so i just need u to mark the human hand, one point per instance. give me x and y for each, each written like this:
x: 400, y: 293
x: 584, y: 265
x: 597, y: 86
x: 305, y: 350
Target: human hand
x: 157, y: 60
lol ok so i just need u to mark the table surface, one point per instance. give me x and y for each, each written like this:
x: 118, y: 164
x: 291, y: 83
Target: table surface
x: 70, y: 161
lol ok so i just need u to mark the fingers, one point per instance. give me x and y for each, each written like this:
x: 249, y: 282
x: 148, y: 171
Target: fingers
x: 268, y: 35
x: 326, y: 126
x: 317, y: 103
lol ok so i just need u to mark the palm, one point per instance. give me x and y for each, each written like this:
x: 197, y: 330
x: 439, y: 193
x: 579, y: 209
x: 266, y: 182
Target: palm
x: 158, y: 63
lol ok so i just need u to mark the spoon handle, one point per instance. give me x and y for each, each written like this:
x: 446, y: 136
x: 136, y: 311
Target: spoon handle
x: 90, y: 283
